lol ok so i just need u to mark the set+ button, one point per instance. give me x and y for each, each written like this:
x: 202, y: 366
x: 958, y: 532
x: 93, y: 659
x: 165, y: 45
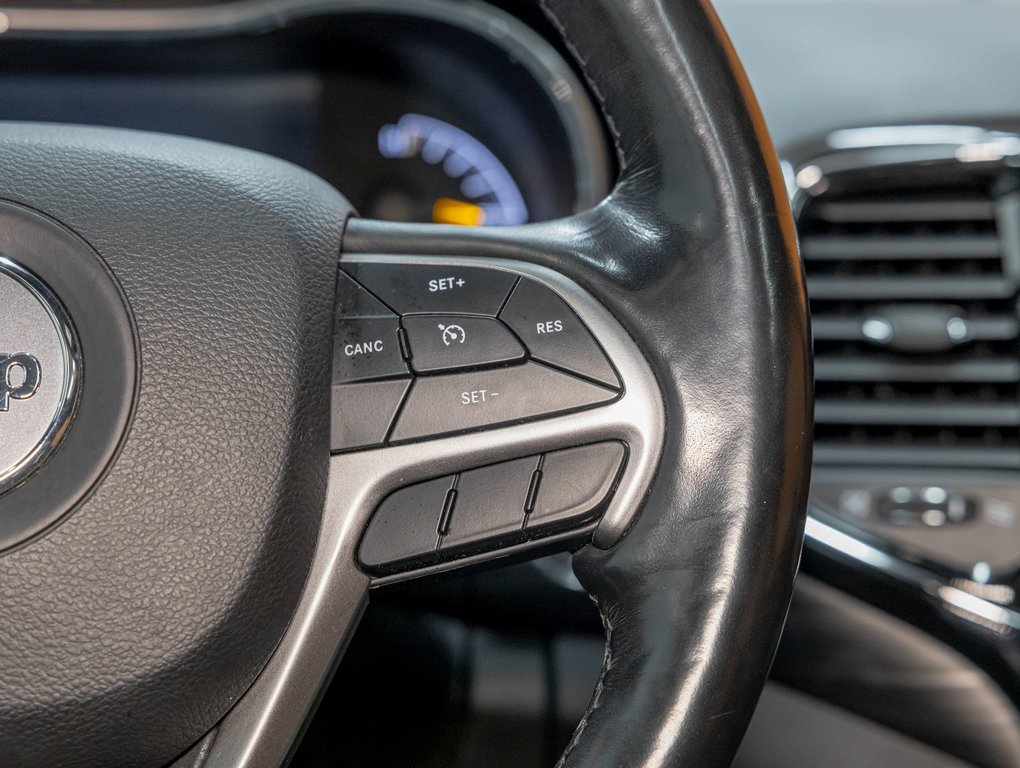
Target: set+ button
x: 410, y: 289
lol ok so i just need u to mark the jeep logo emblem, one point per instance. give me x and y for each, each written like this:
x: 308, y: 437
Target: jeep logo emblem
x: 19, y: 378
x: 40, y: 373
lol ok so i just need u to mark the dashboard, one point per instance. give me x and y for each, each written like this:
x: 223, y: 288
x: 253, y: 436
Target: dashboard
x: 436, y: 111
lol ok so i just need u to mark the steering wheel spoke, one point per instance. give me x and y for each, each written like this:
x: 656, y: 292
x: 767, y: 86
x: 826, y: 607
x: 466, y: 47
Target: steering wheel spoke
x: 542, y: 433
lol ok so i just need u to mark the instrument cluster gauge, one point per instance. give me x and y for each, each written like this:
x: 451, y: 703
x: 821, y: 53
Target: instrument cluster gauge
x: 458, y: 113
x: 470, y: 185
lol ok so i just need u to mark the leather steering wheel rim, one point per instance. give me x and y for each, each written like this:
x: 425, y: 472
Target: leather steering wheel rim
x: 192, y: 591
x: 695, y: 253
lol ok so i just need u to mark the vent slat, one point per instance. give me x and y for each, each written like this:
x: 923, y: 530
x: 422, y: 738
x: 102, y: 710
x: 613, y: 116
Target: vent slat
x: 848, y: 328
x: 926, y: 414
x: 916, y: 455
x: 916, y: 288
x: 905, y: 247
x: 892, y: 211
x: 857, y: 369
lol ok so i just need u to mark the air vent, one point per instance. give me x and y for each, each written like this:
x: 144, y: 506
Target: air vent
x: 912, y: 277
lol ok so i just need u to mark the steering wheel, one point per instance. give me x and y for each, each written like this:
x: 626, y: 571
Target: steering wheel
x: 216, y: 442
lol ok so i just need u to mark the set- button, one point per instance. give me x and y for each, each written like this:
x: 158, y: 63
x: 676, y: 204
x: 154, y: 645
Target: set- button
x: 425, y: 350
x: 462, y: 402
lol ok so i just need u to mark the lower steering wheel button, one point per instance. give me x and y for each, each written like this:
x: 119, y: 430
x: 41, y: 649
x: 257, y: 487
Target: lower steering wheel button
x: 576, y: 484
x: 404, y: 531
x: 362, y: 413
x: 554, y: 334
x: 489, y: 513
x: 449, y: 342
x: 462, y: 402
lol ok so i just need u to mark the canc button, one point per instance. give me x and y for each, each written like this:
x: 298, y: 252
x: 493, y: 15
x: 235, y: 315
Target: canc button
x: 367, y: 348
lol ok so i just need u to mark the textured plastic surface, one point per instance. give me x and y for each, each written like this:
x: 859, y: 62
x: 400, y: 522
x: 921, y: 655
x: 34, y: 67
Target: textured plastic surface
x: 130, y: 629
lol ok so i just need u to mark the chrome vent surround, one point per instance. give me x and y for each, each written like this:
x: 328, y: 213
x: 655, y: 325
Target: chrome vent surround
x: 911, y: 244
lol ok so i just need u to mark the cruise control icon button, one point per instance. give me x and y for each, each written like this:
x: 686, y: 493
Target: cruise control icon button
x: 416, y: 288
x: 554, y: 334
x: 444, y: 343
x: 452, y: 334
x: 466, y: 401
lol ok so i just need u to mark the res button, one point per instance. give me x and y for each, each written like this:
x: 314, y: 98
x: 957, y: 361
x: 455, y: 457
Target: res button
x: 417, y: 288
x: 554, y: 334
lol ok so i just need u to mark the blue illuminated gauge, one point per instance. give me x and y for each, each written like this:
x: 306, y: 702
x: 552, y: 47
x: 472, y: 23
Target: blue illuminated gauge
x: 457, y: 179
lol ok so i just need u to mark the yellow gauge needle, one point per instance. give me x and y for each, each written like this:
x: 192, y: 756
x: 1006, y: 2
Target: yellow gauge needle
x: 450, y: 211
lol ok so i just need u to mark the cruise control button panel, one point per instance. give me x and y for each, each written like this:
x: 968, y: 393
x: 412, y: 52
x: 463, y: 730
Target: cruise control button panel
x: 490, y: 508
x: 423, y: 350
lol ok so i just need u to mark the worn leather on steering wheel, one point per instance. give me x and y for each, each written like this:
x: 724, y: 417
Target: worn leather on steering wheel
x: 695, y: 253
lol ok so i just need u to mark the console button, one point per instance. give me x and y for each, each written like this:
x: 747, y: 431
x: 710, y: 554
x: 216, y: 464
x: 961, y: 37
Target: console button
x: 466, y: 401
x: 489, y: 512
x: 404, y: 531
x: 367, y: 348
x: 447, y: 342
x: 554, y: 334
x: 354, y: 301
x: 575, y: 485
x: 417, y: 288
x: 362, y: 413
